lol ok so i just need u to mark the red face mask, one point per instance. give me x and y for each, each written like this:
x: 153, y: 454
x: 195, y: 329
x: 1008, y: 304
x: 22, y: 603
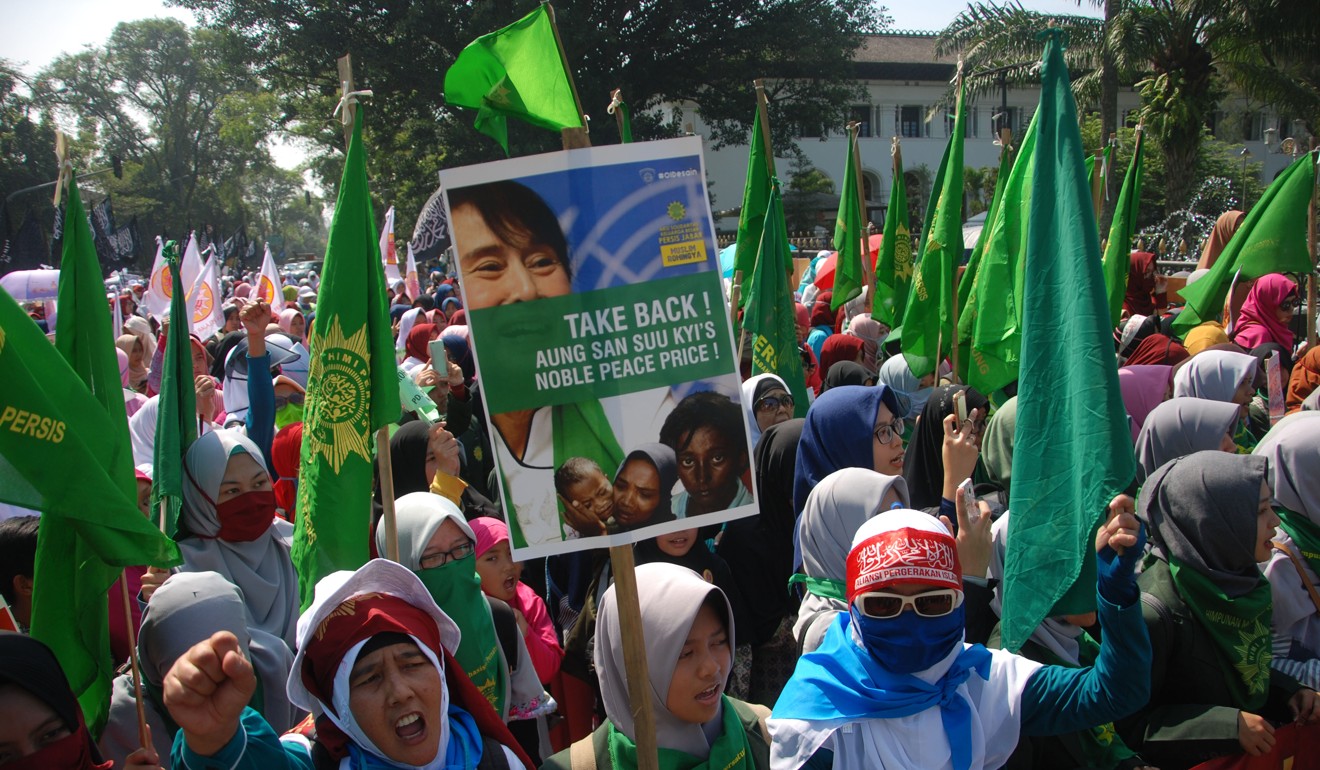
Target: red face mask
x: 246, y: 517
x: 72, y: 751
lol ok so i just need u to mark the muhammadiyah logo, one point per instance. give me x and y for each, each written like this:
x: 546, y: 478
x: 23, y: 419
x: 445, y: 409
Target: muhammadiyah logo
x: 336, y: 422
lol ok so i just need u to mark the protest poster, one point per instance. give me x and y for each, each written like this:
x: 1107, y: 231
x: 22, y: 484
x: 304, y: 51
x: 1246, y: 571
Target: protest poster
x: 603, y: 345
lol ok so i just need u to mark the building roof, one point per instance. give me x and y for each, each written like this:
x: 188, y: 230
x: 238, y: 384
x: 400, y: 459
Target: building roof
x: 902, y: 56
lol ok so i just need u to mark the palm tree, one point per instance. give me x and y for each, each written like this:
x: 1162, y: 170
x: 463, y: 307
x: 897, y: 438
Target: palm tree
x: 1172, y: 46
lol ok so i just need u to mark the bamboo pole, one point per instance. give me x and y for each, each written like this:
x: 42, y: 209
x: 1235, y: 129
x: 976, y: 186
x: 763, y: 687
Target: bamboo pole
x: 1098, y: 186
x: 143, y: 739
x: 868, y: 267
x: 346, y: 83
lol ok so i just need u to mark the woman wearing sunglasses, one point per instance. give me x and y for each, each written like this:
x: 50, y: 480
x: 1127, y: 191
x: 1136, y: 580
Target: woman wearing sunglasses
x: 767, y: 401
x: 893, y: 685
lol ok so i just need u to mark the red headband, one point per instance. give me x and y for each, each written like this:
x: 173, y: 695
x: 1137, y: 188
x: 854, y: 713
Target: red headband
x: 356, y: 619
x: 903, y: 556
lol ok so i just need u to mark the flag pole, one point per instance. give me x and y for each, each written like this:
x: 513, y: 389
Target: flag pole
x: 349, y: 106
x: 868, y: 267
x: 1098, y: 185
x: 143, y: 740
x: 1310, y: 279
x: 762, y: 117
x: 568, y: 73
x: 622, y: 563
x: 953, y: 288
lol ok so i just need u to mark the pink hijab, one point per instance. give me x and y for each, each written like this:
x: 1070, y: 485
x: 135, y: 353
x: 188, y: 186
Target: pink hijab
x: 243, y: 289
x: 1143, y: 389
x: 1256, y: 322
x: 286, y: 321
x: 489, y: 532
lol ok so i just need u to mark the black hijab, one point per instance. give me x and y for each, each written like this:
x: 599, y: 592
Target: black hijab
x: 846, y: 373
x: 923, y: 465
x: 31, y: 665
x: 407, y: 465
x: 759, y: 549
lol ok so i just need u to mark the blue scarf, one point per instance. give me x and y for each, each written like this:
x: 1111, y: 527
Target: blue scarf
x: 463, y: 751
x: 841, y: 681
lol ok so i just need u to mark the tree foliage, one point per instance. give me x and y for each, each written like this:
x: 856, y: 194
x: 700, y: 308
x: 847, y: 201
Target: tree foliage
x: 660, y: 53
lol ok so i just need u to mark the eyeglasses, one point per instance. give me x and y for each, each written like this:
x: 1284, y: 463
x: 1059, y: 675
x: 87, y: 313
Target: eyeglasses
x: 887, y: 433
x: 1288, y: 305
x: 774, y: 403
x: 931, y: 604
x: 433, y: 560
x: 293, y: 398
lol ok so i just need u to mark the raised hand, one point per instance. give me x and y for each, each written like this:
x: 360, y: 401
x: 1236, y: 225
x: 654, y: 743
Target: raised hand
x: 206, y: 691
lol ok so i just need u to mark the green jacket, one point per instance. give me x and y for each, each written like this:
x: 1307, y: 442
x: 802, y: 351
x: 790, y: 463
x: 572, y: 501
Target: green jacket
x: 748, y: 714
x: 1190, y: 717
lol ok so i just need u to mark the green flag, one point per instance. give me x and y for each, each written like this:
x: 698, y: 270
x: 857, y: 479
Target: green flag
x: 1072, y: 448
x: 1272, y: 239
x: 176, y: 423
x: 769, y: 316
x: 352, y: 388
x: 756, y: 199
x: 928, y: 321
x: 514, y: 72
x: 893, y: 270
x: 1119, y: 246
x: 967, y: 309
x: 849, y: 275
x: 63, y: 407
x: 991, y: 317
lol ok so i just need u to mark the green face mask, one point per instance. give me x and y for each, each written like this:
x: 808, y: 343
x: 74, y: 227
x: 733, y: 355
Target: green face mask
x: 288, y: 415
x: 456, y: 587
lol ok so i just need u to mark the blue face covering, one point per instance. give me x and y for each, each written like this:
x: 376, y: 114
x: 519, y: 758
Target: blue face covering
x: 909, y: 643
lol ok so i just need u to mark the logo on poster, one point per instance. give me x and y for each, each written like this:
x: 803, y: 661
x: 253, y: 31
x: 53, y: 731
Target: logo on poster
x: 647, y: 175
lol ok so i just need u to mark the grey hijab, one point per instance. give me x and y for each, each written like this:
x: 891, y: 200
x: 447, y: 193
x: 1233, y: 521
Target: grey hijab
x: 1293, y: 450
x: 1054, y: 634
x: 187, y: 609
x: 1201, y: 510
x: 1213, y: 374
x: 895, y: 373
x: 262, y: 568
x: 670, y: 597
x: 417, y: 516
x: 1180, y: 427
x: 835, y: 509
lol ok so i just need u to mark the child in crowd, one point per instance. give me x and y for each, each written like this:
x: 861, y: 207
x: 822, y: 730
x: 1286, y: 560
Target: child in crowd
x: 500, y: 579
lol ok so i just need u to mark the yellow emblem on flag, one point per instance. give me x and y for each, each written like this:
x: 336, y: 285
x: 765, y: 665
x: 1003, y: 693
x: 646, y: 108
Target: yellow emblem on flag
x: 336, y: 423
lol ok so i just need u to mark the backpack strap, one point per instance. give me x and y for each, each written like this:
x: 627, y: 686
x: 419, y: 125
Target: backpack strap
x: 806, y: 628
x: 582, y: 754
x: 762, y: 713
x: 492, y: 755
x: 506, y: 631
x: 1301, y: 573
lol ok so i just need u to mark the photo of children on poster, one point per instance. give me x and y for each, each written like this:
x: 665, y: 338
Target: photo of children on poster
x: 602, y: 334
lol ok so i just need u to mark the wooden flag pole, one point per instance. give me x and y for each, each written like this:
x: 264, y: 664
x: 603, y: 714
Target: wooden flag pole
x: 143, y: 738
x: 568, y: 73
x: 1310, y: 279
x: 868, y: 267
x: 622, y: 563
x: 349, y: 106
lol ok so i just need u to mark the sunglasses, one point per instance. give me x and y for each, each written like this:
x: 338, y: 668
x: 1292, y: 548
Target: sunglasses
x: 774, y: 403
x: 887, y: 433
x: 293, y: 398
x: 931, y: 604
x: 1288, y: 305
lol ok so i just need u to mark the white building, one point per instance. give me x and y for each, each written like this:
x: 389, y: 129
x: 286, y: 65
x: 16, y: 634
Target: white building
x: 906, y: 84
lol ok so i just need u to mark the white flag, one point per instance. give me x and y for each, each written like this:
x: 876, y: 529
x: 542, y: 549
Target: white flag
x: 207, y: 317
x: 388, y: 255
x: 413, y: 285
x: 157, y: 295
x: 269, y: 288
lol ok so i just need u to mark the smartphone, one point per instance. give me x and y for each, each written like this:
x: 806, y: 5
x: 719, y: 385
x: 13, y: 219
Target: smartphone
x: 439, y: 357
x: 960, y: 407
x: 968, y: 492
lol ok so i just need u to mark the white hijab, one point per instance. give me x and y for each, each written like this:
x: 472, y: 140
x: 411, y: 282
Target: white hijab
x: 749, y: 401
x: 261, y: 568
x: 670, y: 597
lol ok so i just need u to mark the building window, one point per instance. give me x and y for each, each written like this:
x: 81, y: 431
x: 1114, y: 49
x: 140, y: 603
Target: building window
x: 910, y: 122
x: 969, y: 123
x: 1253, y: 127
x: 862, y: 114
